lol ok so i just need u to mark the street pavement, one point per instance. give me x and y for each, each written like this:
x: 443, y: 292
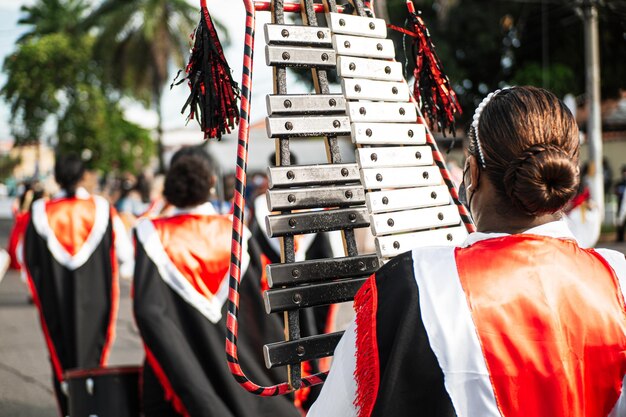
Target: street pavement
x: 25, y: 373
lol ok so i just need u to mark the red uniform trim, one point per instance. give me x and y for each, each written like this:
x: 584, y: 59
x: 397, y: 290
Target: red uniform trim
x: 170, y: 394
x: 71, y: 220
x: 551, y: 322
x: 17, y: 234
x: 367, y: 372
x: 115, y: 295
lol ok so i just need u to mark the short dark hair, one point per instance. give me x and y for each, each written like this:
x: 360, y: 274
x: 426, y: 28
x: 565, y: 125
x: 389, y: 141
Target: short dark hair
x: 189, y: 181
x: 69, y: 170
x: 530, y: 143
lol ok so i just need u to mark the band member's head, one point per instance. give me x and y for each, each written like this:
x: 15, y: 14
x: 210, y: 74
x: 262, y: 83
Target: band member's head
x: 69, y: 171
x: 189, y: 180
x: 523, y: 155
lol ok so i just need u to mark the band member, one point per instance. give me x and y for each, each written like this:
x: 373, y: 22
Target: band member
x: 520, y: 320
x: 180, y: 290
x: 70, y: 248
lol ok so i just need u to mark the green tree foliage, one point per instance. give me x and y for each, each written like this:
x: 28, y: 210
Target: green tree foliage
x: 137, y: 41
x: 485, y: 45
x: 53, y: 75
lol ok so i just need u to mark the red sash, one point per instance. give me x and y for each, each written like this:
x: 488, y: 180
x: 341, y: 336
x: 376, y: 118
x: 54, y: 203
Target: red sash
x: 71, y: 220
x: 551, y: 322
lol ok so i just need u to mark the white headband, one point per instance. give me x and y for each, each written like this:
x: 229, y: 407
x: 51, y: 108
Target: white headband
x: 477, y: 114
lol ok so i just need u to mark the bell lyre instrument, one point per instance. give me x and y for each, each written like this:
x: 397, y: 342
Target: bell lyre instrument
x: 398, y: 187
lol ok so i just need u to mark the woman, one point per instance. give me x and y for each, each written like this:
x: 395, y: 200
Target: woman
x: 519, y: 321
x: 180, y: 290
x: 70, y: 248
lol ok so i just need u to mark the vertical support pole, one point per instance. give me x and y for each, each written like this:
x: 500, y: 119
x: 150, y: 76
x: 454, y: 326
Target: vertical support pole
x: 594, y: 121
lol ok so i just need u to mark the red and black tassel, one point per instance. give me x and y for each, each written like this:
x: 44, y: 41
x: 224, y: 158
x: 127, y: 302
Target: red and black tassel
x: 432, y: 88
x: 214, y: 93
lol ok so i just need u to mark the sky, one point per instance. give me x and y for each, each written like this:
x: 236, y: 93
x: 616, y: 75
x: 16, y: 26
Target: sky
x: 231, y: 14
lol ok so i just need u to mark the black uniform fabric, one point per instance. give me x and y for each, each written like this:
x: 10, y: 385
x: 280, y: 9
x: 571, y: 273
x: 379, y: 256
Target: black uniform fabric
x: 75, y: 304
x: 411, y: 381
x: 190, y: 349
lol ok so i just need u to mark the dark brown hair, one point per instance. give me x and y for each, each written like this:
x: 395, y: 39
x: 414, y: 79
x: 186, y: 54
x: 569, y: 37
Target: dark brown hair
x: 530, y: 143
x: 188, y: 182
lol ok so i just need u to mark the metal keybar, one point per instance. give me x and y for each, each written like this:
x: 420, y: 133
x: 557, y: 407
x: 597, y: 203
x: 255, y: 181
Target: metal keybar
x: 347, y: 45
x: 356, y: 25
x: 362, y: 111
x: 301, y: 126
x: 316, y: 221
x: 305, y: 104
x: 379, y: 178
x: 417, y: 219
x: 407, y: 198
x: 363, y: 89
x: 320, y: 270
x: 304, y: 349
x: 297, y: 35
x: 293, y: 56
x: 396, y: 156
x: 313, y: 197
x: 294, y: 298
x: 388, y: 134
x: 304, y: 175
x: 392, y: 245
x: 371, y: 69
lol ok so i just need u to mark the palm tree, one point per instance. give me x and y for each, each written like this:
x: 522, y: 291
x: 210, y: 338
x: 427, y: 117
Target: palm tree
x: 51, y: 16
x: 137, y: 41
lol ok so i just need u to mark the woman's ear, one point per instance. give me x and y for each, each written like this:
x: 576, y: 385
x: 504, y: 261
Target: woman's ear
x: 474, y: 171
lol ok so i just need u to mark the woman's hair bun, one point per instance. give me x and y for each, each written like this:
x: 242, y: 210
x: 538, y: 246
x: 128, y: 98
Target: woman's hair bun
x: 542, y: 180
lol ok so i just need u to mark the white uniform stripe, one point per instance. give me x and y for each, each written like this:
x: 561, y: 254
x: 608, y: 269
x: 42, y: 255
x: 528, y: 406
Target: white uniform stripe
x: 617, y: 261
x: 452, y: 334
x: 169, y: 273
x: 62, y: 256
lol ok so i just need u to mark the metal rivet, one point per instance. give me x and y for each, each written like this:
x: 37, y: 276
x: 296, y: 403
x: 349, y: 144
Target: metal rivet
x: 344, y: 172
x: 289, y: 126
x: 324, y: 56
x: 396, y: 245
x: 342, y: 22
x: 449, y: 237
x: 372, y: 25
x: 346, y: 44
x: 297, y: 298
x: 440, y: 216
x: 352, y: 66
x: 362, y: 110
x: 336, y: 124
x: 286, y: 56
x: 410, y: 133
x: 287, y: 104
x: 433, y: 195
x: 320, y: 34
x: 390, y: 222
x: 295, y: 273
x: 361, y: 266
x: 379, y: 177
x: 385, y: 200
x: 300, y: 350
x: 379, y: 46
x: 332, y: 102
x: 425, y: 175
x: 368, y: 132
x: 418, y: 155
x: 402, y: 111
x: 357, y: 88
x: 292, y: 223
x: 374, y: 157
x: 285, y: 33
x: 352, y: 217
x: 394, y: 90
x: 291, y: 198
x: 290, y: 175
x: 387, y: 69
x: 348, y: 194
